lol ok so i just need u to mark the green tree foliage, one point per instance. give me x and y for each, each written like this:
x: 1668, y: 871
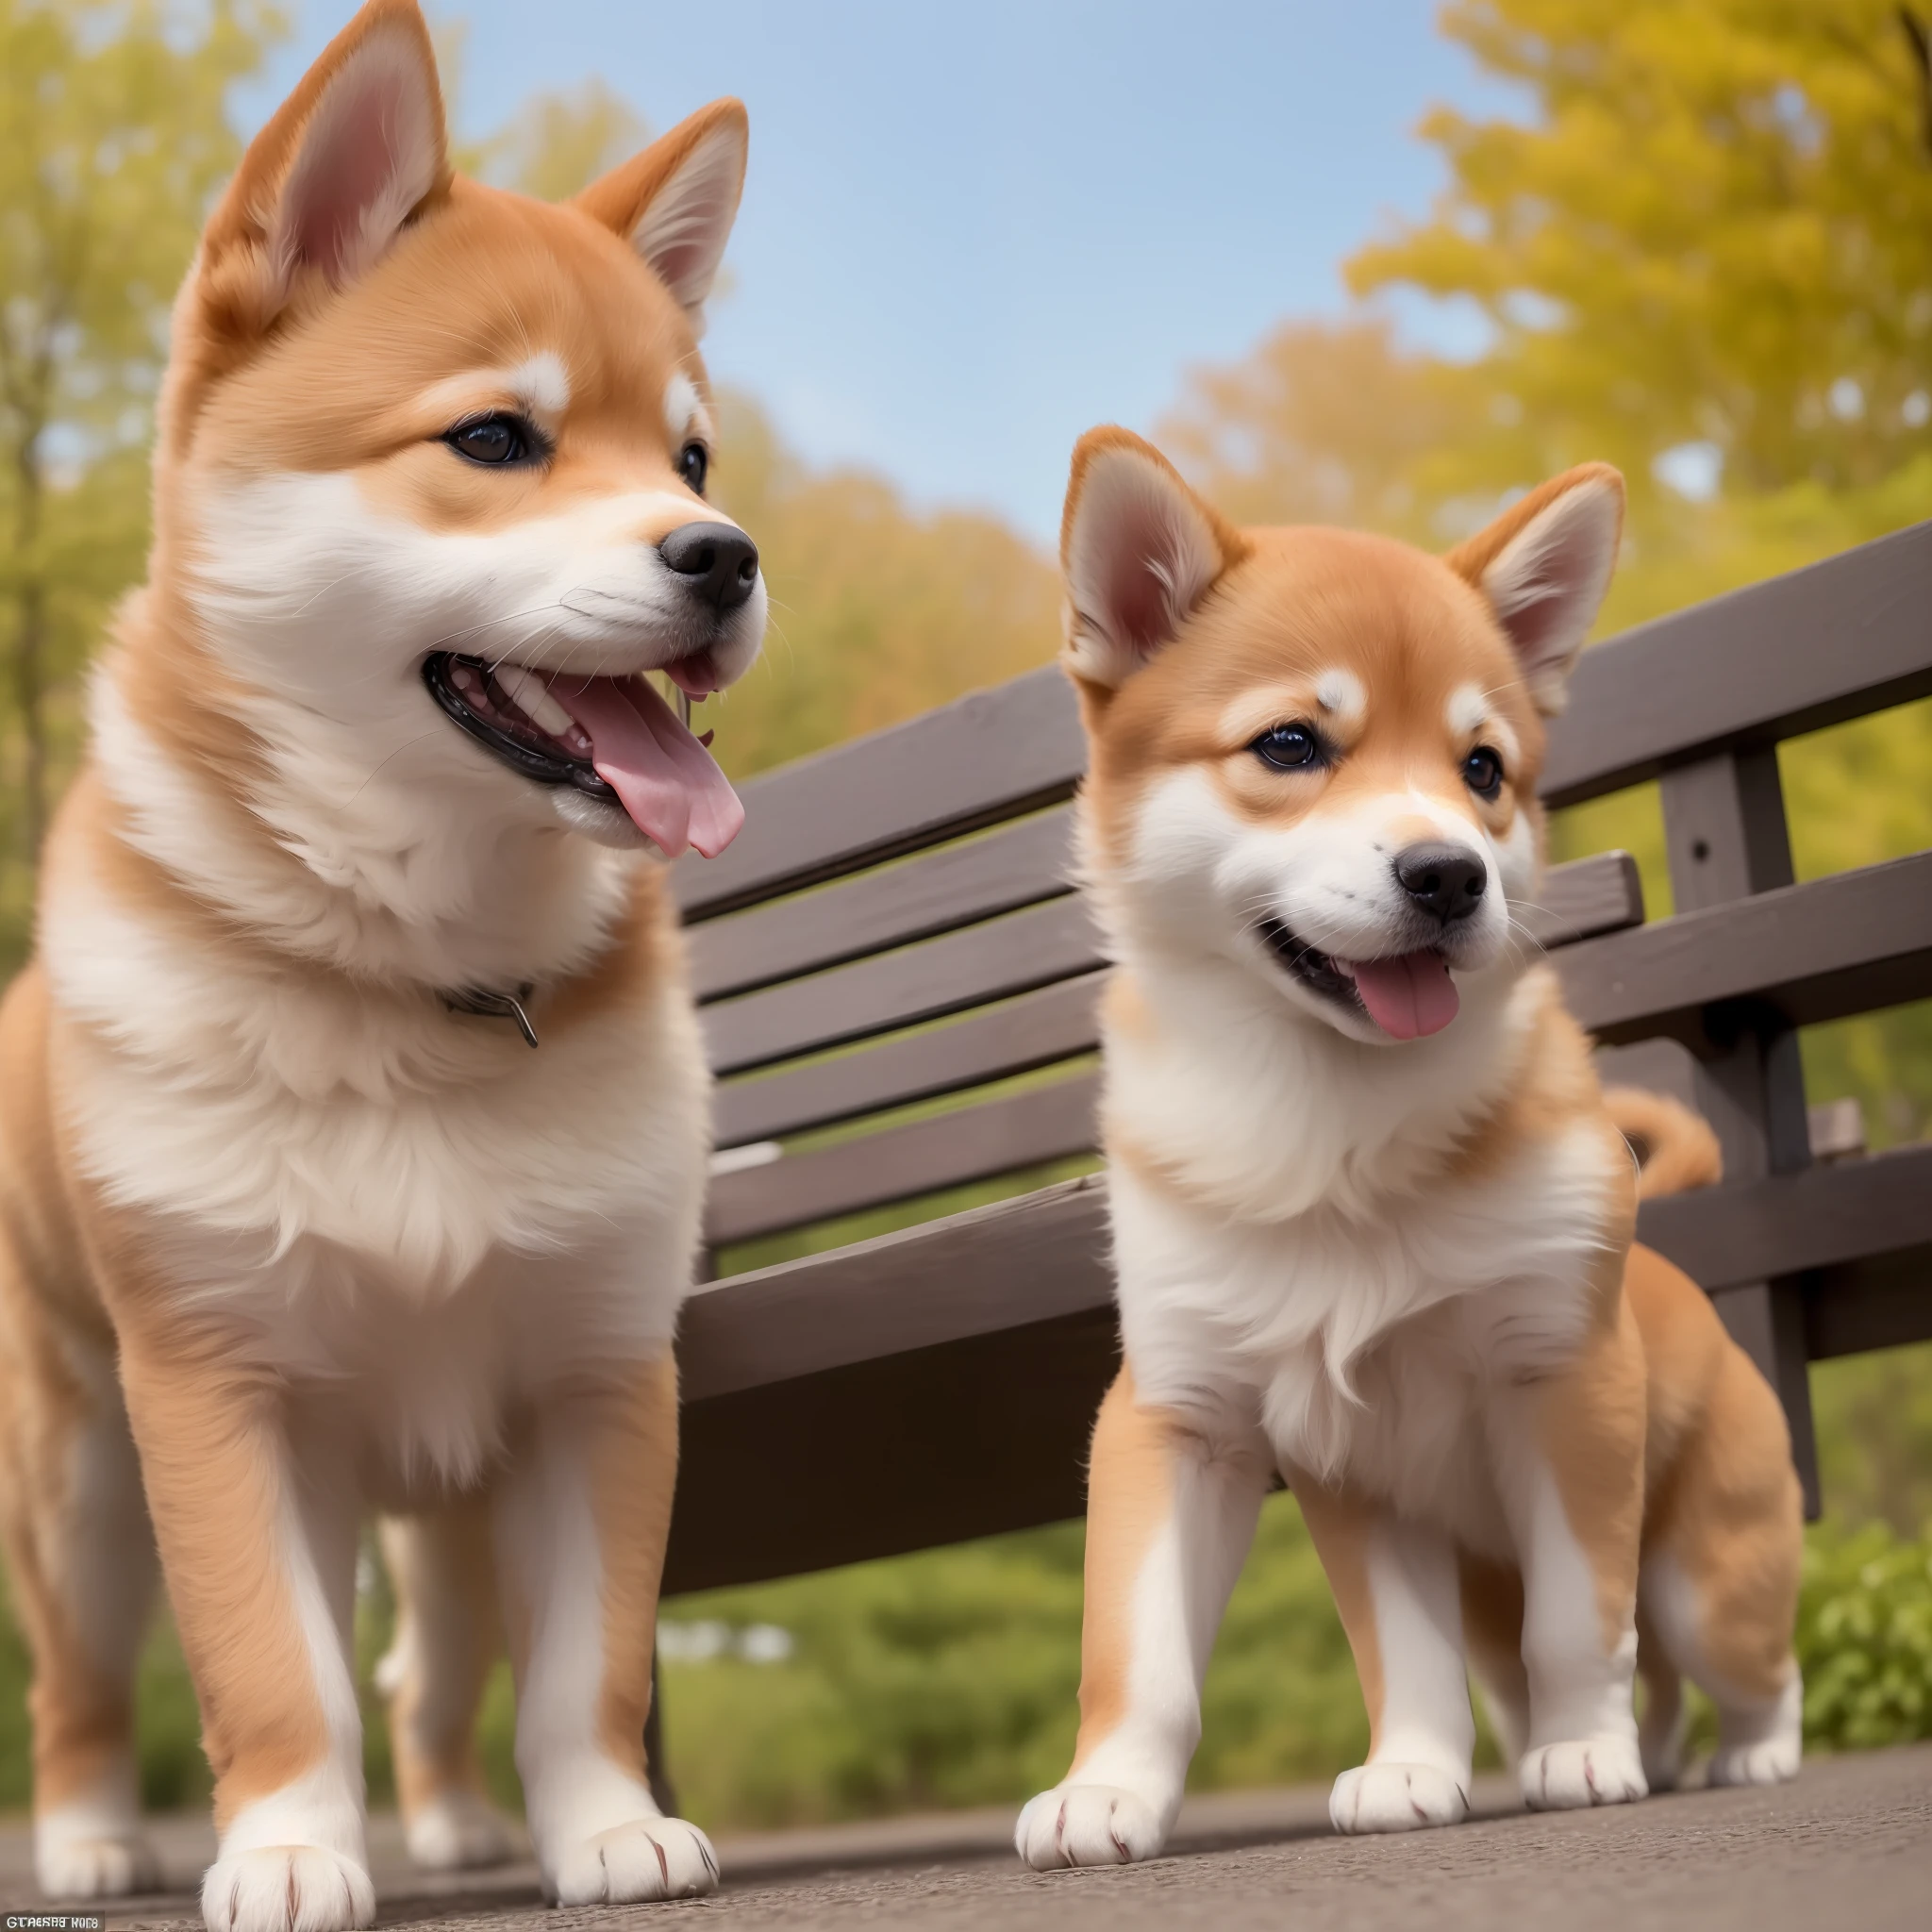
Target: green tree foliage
x: 877, y: 613
x: 113, y: 136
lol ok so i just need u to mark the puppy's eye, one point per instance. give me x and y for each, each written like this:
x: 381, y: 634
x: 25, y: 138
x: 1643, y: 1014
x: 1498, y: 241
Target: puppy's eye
x: 494, y: 441
x: 695, y: 465
x: 1287, y: 747
x: 1482, y: 772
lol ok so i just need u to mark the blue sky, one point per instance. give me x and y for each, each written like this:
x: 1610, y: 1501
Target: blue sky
x: 970, y: 232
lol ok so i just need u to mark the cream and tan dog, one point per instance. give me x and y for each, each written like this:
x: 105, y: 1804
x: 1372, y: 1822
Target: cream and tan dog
x: 292, y: 1221
x: 1371, y: 1213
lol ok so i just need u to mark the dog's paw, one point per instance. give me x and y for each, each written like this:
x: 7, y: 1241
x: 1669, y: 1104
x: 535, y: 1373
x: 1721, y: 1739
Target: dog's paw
x: 1583, y: 1771
x: 1087, y: 1825
x: 1760, y: 1746
x: 1769, y: 1761
x: 287, y: 1889
x: 104, y: 1864
x: 1396, y: 1797
x: 456, y: 1831
x: 634, y: 1864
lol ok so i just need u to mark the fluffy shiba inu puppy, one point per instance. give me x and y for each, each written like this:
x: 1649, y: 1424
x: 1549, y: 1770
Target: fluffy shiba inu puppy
x: 292, y: 1221
x: 1371, y: 1214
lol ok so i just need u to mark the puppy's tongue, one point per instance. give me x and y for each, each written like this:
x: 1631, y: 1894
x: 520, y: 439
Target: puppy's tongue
x: 668, y: 781
x: 1408, y: 996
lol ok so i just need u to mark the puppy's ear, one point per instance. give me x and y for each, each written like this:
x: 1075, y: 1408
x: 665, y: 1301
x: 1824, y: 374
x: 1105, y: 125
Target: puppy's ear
x: 328, y: 184
x: 1543, y: 566
x: 675, y: 202
x: 1139, y: 550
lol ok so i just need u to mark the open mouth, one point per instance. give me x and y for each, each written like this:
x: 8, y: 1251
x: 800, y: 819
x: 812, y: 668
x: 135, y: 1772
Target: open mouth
x: 1406, y: 995
x: 613, y: 738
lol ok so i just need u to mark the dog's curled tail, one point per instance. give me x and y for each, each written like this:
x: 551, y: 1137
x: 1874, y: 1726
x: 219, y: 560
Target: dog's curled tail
x: 1675, y: 1149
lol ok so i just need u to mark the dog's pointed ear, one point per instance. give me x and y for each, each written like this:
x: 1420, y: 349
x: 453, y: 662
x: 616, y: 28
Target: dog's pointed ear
x: 328, y: 184
x: 1543, y: 566
x: 1139, y: 550
x: 675, y: 202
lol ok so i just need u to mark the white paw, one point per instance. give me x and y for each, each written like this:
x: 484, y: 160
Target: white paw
x: 1771, y: 1761
x: 633, y: 1864
x: 1087, y: 1825
x: 456, y: 1830
x: 1583, y: 1771
x: 1396, y: 1797
x: 110, y: 1866
x: 287, y: 1889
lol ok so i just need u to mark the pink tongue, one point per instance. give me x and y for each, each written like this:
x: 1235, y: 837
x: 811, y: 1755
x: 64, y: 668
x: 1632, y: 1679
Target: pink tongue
x: 1407, y: 996
x: 668, y: 781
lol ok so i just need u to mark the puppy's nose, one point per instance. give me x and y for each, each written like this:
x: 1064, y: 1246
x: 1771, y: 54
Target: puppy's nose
x: 719, y: 560
x: 1442, y: 879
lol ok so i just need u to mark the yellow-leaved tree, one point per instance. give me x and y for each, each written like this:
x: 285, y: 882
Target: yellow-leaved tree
x: 1705, y: 252
x: 1716, y: 228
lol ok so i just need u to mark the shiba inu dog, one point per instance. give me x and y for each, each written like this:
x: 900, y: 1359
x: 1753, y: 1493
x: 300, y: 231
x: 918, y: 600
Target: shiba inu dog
x: 292, y: 1221
x: 1371, y: 1214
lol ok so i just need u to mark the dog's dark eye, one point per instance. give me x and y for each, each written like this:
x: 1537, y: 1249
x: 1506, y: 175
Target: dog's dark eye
x: 493, y: 440
x: 1287, y: 747
x: 695, y: 465
x: 1482, y: 772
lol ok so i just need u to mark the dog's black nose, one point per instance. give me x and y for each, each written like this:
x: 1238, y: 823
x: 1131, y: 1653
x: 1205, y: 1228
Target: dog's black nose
x: 719, y: 558
x: 1442, y: 879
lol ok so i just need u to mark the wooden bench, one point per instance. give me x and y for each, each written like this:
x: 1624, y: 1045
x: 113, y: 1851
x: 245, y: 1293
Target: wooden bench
x: 895, y: 925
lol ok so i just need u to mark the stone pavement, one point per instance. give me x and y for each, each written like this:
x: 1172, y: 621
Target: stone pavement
x: 1848, y: 1846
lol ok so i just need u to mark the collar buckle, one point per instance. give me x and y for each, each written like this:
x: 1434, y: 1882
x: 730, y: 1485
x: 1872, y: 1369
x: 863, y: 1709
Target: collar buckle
x: 488, y: 1005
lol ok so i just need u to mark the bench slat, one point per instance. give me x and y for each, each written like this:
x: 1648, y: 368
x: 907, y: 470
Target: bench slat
x: 968, y: 968
x: 1587, y: 896
x: 1017, y: 1261
x: 1818, y: 1217
x: 1822, y: 950
x: 1883, y: 1302
x: 990, y: 756
x: 1801, y: 651
x: 996, y: 1137
x: 1054, y: 1023
x: 998, y: 872
x: 1035, y: 947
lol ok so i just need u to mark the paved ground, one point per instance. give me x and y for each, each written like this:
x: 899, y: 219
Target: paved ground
x: 1846, y: 1849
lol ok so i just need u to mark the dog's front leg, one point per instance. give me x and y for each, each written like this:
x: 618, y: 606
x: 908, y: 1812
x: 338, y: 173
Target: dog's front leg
x: 581, y: 1520
x: 1395, y: 1584
x: 1170, y: 1517
x: 1568, y: 1449
x: 256, y: 1520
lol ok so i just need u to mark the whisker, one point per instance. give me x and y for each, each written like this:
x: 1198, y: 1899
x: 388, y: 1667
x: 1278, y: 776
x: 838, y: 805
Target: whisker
x: 373, y: 776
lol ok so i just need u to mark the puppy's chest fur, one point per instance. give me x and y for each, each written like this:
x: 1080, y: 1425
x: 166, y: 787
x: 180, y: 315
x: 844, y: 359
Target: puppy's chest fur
x: 407, y: 1215
x: 1304, y: 1254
